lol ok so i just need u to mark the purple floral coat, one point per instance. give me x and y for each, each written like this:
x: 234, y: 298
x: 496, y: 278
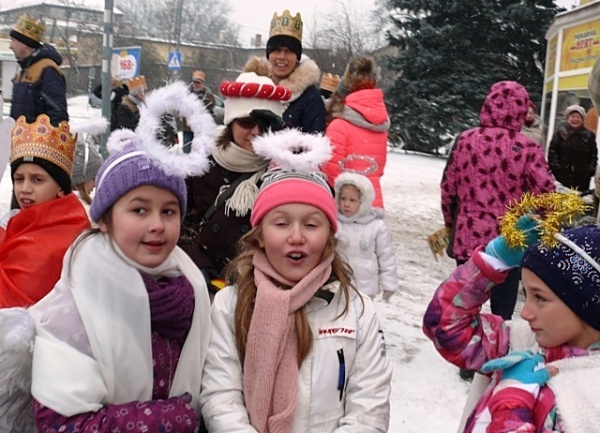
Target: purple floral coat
x: 489, y: 167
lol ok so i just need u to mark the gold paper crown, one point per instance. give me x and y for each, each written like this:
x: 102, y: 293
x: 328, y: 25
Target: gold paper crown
x: 29, y: 27
x: 137, y: 85
x: 286, y: 25
x: 42, y: 140
x: 329, y: 81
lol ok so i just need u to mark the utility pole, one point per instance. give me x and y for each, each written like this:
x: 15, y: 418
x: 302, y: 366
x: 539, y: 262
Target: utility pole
x: 177, y: 73
x: 107, y: 45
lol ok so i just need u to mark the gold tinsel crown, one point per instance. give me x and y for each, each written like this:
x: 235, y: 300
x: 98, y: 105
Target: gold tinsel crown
x: 329, y: 81
x: 30, y: 27
x: 41, y: 139
x: 286, y: 25
x: 553, y: 211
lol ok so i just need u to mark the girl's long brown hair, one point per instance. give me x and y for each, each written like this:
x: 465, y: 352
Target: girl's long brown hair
x: 240, y: 271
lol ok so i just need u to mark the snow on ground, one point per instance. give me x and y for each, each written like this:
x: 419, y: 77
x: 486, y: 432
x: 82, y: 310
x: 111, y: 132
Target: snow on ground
x: 427, y: 394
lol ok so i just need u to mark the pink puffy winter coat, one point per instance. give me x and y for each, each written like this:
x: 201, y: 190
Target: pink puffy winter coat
x: 490, y: 167
x: 360, y: 130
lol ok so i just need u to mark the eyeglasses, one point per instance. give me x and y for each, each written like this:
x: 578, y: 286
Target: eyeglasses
x: 246, y: 122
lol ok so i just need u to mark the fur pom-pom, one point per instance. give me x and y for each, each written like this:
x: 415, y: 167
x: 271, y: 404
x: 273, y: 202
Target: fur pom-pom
x: 119, y: 139
x: 291, y: 149
x: 17, y: 334
x: 258, y: 65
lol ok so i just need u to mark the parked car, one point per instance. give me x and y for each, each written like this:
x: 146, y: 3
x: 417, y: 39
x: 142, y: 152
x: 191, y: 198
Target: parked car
x: 219, y: 110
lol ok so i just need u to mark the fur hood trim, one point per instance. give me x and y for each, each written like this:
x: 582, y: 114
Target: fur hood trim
x: 354, y: 117
x: 363, y: 184
x: 306, y: 74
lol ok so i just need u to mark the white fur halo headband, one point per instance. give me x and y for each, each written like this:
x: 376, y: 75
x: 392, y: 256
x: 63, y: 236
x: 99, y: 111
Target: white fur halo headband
x: 291, y: 149
x: 173, y: 97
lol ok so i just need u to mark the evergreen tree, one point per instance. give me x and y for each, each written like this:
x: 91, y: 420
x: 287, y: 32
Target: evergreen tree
x: 450, y: 52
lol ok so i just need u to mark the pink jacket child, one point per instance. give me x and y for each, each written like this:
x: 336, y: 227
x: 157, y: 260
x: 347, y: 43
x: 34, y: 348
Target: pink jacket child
x: 561, y: 329
x: 360, y: 125
x: 490, y: 166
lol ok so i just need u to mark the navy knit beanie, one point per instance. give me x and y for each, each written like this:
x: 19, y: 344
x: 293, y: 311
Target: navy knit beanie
x: 571, y: 270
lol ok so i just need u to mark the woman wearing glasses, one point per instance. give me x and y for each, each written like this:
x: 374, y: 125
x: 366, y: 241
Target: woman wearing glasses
x: 220, y: 201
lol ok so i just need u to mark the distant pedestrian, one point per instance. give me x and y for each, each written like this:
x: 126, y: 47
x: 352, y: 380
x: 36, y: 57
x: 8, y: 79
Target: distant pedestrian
x: 198, y: 88
x: 532, y: 127
x: 305, y: 109
x: 40, y: 86
x: 573, y: 154
x: 358, y: 124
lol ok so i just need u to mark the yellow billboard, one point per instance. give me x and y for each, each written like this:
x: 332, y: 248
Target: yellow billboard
x: 581, y: 46
x: 551, y: 58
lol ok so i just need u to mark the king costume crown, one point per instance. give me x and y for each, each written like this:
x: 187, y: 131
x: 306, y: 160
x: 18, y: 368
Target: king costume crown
x: 286, y: 25
x: 29, y: 27
x: 42, y: 140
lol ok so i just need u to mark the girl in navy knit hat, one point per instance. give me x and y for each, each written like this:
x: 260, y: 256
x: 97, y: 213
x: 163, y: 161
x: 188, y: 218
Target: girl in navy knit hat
x: 121, y: 339
x: 544, y: 370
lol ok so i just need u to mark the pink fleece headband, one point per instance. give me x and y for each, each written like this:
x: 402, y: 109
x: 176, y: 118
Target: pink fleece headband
x: 294, y: 190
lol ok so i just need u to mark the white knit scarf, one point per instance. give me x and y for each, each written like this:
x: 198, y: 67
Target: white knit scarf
x: 238, y: 160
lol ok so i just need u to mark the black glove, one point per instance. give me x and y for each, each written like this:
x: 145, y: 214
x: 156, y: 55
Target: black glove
x: 266, y: 119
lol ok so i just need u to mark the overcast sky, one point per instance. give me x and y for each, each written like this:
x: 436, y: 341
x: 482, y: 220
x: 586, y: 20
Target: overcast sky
x: 255, y: 15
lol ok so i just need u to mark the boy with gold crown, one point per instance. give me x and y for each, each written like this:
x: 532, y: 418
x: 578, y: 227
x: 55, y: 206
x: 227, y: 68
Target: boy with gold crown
x: 35, y: 237
x: 40, y: 86
x: 305, y: 110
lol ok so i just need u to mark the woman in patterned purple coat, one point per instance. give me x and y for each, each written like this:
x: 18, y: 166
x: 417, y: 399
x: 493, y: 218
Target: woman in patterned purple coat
x: 489, y: 167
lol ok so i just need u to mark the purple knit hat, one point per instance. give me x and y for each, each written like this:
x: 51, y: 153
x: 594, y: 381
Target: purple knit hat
x: 571, y: 270
x: 126, y: 170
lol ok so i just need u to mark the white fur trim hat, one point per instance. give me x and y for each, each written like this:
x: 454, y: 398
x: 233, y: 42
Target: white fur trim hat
x: 362, y: 184
x: 575, y: 109
x: 252, y: 92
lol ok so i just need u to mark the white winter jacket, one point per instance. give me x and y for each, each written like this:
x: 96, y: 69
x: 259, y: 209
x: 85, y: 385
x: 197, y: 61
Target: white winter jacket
x: 363, y: 404
x: 365, y: 240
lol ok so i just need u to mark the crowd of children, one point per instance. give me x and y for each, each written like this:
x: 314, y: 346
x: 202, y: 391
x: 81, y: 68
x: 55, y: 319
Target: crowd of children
x: 118, y: 332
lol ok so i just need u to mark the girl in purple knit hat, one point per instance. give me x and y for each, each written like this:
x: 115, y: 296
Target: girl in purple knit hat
x: 544, y: 370
x: 121, y: 339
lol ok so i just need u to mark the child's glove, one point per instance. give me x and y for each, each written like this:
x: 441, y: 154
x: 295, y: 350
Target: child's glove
x: 521, y: 366
x: 498, y: 247
x: 387, y: 294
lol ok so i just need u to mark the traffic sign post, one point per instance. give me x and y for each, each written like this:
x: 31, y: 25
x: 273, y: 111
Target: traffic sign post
x: 174, y: 62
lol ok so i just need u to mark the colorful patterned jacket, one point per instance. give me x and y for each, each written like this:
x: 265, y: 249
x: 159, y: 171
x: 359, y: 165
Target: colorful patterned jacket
x: 468, y: 338
x: 489, y: 167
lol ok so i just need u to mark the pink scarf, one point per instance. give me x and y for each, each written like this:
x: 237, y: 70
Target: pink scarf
x: 271, y: 364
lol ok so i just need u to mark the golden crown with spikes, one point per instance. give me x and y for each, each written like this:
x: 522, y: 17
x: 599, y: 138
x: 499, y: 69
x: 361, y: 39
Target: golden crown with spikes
x: 41, y: 139
x: 286, y: 25
x: 329, y: 81
x: 30, y: 27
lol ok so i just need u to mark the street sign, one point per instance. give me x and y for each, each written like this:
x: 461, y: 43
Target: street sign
x: 125, y: 62
x: 174, y: 63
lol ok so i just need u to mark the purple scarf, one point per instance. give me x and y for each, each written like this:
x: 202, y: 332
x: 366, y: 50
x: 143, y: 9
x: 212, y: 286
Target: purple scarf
x: 171, y: 305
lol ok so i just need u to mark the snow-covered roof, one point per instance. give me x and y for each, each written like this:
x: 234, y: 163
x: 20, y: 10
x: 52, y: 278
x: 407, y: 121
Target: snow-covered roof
x: 95, y: 5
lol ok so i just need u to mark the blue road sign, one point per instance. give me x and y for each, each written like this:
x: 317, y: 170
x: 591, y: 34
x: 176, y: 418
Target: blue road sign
x: 174, y: 63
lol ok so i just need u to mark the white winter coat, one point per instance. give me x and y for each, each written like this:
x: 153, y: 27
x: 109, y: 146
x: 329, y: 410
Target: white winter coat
x: 364, y: 405
x: 365, y: 240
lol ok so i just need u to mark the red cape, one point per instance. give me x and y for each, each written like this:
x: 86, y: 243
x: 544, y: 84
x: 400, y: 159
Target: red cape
x: 32, y: 251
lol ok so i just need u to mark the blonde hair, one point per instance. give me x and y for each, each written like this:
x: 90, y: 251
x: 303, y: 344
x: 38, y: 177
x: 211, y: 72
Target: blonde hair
x: 85, y: 196
x: 240, y: 271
